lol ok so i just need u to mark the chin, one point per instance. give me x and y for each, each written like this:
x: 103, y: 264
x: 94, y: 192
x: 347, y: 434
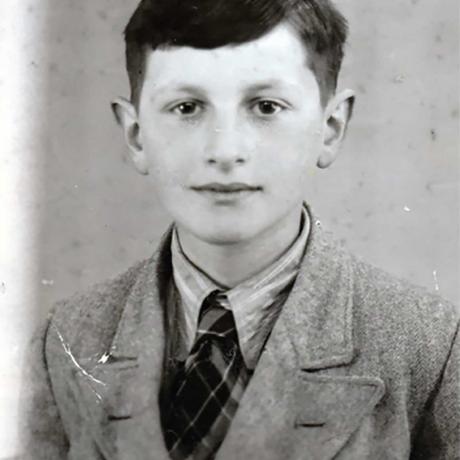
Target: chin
x: 226, y: 235
x: 225, y: 238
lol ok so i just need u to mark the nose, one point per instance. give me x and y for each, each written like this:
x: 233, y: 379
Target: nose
x: 226, y: 147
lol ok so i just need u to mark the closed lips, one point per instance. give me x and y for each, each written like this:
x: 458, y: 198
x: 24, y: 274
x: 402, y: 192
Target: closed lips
x: 227, y: 188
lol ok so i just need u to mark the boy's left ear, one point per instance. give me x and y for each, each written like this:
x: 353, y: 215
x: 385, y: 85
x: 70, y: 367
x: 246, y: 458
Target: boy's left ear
x: 336, y: 117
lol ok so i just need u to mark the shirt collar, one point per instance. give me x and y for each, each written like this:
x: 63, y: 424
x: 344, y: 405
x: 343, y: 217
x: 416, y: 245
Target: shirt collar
x: 250, y: 300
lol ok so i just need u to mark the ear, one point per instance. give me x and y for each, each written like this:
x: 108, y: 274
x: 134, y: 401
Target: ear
x: 126, y: 116
x: 336, y: 117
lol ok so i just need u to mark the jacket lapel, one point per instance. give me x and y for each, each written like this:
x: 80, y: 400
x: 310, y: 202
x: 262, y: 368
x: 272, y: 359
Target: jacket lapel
x: 119, y: 395
x: 290, y: 409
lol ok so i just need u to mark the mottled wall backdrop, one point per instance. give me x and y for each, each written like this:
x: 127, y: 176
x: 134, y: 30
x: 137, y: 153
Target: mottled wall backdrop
x: 392, y: 196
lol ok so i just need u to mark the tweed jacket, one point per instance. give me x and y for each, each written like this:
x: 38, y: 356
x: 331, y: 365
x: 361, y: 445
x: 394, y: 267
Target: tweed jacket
x: 359, y: 365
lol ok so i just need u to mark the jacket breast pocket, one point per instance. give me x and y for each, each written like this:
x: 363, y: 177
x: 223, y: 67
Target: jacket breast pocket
x: 332, y: 408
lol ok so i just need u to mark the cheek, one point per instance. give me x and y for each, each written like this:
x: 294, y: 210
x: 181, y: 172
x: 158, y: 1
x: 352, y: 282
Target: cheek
x: 293, y: 150
x: 167, y: 156
x: 171, y: 150
x: 166, y: 171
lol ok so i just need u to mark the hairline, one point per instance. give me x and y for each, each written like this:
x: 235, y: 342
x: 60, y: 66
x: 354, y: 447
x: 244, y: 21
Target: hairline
x: 326, y: 91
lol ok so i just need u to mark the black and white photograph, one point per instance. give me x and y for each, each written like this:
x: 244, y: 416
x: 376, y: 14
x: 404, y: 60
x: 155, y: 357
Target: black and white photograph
x: 230, y: 230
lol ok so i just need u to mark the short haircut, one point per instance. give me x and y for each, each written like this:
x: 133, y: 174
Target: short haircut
x: 208, y: 24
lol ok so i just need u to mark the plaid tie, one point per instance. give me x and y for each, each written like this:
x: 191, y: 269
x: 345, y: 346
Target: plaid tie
x: 207, y: 390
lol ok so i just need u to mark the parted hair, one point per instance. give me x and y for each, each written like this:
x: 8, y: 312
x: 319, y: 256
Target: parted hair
x: 208, y: 24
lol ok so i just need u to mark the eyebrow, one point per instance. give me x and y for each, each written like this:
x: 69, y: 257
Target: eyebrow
x: 198, y: 90
x: 186, y: 88
x: 269, y: 84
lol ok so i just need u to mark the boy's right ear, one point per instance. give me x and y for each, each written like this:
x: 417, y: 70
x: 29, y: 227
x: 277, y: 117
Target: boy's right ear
x: 126, y: 116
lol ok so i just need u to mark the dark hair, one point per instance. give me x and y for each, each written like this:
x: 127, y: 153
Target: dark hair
x: 208, y: 24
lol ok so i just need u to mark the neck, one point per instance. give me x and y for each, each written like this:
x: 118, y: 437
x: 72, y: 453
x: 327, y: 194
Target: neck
x: 231, y: 264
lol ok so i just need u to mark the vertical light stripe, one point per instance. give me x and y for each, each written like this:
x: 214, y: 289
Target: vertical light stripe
x: 21, y: 96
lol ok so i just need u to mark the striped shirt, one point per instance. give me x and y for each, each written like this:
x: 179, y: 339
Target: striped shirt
x: 254, y: 302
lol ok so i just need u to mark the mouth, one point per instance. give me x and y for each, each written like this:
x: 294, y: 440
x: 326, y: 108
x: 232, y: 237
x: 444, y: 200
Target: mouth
x: 232, y: 188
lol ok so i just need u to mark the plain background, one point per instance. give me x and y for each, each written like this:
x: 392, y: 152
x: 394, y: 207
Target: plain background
x: 75, y: 212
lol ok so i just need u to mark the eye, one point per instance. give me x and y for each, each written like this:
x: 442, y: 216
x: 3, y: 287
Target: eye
x: 187, y: 109
x: 267, y: 108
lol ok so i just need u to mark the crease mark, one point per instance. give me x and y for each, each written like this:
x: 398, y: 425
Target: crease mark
x: 104, y: 358
x: 436, y: 282
x: 74, y: 360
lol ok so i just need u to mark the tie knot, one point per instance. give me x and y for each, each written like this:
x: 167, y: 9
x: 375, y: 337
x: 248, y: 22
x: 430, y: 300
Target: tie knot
x: 215, y: 319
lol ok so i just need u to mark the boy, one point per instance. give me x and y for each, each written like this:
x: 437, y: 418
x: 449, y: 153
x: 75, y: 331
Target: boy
x: 250, y: 333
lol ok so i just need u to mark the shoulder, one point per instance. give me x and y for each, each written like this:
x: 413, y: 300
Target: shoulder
x: 385, y: 298
x: 402, y: 321
x: 381, y: 300
x: 88, y: 320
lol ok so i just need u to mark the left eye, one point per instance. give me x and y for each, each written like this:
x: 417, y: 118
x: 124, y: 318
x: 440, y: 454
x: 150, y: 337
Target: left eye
x: 267, y: 108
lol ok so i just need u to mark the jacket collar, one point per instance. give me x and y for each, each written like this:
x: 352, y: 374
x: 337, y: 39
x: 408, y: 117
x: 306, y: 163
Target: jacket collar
x: 313, y: 332
x: 319, y: 310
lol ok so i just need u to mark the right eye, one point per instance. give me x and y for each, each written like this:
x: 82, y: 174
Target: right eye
x: 187, y: 109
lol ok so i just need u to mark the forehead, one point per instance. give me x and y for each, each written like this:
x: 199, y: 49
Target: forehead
x: 278, y: 57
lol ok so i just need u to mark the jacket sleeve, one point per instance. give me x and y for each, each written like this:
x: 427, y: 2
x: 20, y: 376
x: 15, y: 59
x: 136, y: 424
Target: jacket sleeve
x: 43, y: 436
x: 439, y: 434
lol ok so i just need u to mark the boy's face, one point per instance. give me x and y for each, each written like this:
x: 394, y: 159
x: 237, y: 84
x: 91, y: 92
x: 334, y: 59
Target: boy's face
x: 230, y: 136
